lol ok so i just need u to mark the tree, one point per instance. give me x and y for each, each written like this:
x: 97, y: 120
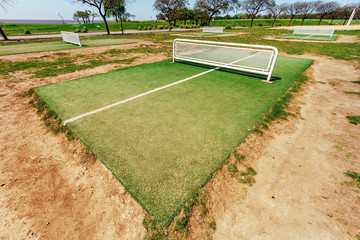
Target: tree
x: 325, y: 9
x: 102, y: 6
x: 93, y: 16
x: 201, y: 17
x: 186, y: 14
x: 254, y: 7
x: 276, y: 10
x: 346, y: 11
x: 305, y: 8
x: 214, y: 7
x: 118, y: 10
x: 84, y: 15
x: 128, y: 17
x: 293, y: 10
x: 3, y: 4
x: 335, y: 14
x: 170, y: 8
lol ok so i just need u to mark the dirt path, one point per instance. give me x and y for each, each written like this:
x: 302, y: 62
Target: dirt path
x: 298, y: 192
x: 48, y: 192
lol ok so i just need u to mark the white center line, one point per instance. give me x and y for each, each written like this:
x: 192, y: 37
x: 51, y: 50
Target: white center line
x: 147, y: 93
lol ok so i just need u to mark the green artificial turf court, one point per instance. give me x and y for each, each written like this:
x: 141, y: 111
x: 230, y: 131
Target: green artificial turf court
x: 311, y: 37
x: 52, y: 46
x: 165, y: 146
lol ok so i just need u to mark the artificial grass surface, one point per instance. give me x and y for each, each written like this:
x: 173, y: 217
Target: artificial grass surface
x: 308, y: 37
x: 52, y: 46
x: 165, y: 146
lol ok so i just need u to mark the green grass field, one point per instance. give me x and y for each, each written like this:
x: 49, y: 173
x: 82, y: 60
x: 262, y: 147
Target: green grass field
x: 12, y: 29
x: 309, y: 37
x: 52, y: 46
x: 165, y: 146
x: 208, y: 33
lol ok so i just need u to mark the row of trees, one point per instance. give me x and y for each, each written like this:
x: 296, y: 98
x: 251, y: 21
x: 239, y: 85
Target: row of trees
x: 205, y: 10
x: 107, y: 8
x: 84, y: 16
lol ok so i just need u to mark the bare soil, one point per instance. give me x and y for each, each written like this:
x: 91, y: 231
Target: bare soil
x: 340, y: 39
x: 207, y: 36
x: 50, y: 189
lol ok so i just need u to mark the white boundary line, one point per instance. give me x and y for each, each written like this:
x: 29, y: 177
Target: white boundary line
x: 147, y: 93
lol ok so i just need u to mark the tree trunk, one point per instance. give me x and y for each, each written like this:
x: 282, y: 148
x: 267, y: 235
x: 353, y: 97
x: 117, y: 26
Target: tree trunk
x: 169, y: 25
x: 106, y: 24
x: 274, y: 21
x: 252, y: 19
x: 303, y: 20
x: 332, y: 19
x: 321, y: 18
x: 292, y: 17
x: 3, y: 34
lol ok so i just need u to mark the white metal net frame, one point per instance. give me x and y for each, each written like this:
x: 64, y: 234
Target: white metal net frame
x: 71, y: 38
x: 213, y: 29
x: 314, y: 31
x: 267, y: 67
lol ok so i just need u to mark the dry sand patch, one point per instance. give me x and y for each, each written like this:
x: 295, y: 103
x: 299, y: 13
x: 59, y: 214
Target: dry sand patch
x: 47, y: 191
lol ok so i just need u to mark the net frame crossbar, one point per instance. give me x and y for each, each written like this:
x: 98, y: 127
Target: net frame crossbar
x: 213, y: 29
x: 75, y: 39
x: 314, y: 31
x: 258, y: 49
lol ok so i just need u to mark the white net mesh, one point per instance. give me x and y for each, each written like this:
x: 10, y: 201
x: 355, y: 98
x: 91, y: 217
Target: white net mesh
x: 314, y: 31
x: 71, y: 38
x: 225, y: 56
x: 213, y: 29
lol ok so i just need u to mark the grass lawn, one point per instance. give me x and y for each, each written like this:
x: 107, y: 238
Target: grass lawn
x: 309, y: 37
x: 12, y: 29
x: 207, y: 33
x: 165, y: 146
x: 52, y: 46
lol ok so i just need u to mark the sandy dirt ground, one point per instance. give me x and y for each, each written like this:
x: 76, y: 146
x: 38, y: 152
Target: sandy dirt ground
x: 50, y: 190
x: 341, y: 39
x: 207, y: 36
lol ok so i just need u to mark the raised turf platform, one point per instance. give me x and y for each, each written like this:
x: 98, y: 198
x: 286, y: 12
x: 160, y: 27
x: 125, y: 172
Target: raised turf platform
x: 165, y: 146
x: 311, y: 37
x: 53, y: 46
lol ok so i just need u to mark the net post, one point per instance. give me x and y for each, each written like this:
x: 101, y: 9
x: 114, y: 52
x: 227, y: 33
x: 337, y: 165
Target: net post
x: 273, y: 64
x: 174, y: 46
x: 78, y: 38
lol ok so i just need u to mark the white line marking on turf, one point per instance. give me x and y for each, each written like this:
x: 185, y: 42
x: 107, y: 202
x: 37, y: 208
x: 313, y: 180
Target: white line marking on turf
x: 147, y: 93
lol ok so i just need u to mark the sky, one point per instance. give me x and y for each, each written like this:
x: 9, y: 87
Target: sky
x: 46, y: 9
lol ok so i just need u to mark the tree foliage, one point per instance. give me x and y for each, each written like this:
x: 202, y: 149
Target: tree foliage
x: 83, y: 16
x: 171, y: 9
x: 293, y: 10
x: 103, y: 6
x: 325, y: 9
x: 254, y: 7
x: 305, y: 8
x: 275, y: 10
x: 214, y: 7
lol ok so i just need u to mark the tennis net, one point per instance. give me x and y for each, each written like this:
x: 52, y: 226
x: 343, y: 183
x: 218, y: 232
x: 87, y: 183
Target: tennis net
x: 257, y: 59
